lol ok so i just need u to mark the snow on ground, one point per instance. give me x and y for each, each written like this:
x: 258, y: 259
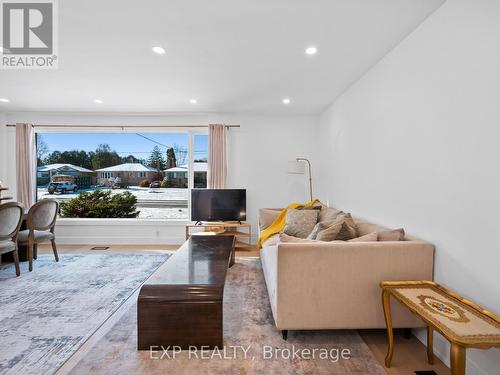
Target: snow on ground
x: 168, y: 204
x: 140, y: 193
x: 162, y: 213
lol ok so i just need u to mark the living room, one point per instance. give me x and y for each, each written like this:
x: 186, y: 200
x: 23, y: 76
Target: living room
x: 390, y: 107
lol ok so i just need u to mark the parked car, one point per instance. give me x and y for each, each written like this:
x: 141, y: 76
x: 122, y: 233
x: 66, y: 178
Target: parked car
x: 155, y: 184
x: 62, y: 187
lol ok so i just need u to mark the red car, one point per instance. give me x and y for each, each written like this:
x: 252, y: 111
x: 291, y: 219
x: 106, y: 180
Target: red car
x: 155, y: 184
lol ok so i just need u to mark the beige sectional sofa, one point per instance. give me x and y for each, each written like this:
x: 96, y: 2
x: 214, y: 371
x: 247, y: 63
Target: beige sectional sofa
x: 335, y: 285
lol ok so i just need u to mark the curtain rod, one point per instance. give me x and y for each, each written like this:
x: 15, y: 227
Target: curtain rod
x: 120, y: 126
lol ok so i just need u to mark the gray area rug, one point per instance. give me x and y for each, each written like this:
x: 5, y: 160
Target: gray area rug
x: 47, y: 314
x: 247, y: 322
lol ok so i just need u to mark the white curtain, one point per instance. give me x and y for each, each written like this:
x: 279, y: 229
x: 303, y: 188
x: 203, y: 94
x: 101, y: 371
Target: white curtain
x: 217, y: 157
x: 25, y: 164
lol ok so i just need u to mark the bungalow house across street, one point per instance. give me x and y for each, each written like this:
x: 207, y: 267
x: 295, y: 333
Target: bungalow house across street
x: 46, y: 173
x: 128, y: 173
x: 178, y: 176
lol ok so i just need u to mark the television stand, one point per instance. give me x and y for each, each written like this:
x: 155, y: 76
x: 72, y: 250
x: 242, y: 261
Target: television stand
x: 241, y: 230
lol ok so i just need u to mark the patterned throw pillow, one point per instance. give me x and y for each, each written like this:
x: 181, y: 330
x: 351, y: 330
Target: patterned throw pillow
x: 299, y: 223
x: 309, y: 208
x: 318, y: 227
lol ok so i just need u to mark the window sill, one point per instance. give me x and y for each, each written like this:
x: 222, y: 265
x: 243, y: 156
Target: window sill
x: 119, y: 222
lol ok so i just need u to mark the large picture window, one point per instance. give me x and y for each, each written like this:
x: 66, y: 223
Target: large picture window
x: 121, y: 175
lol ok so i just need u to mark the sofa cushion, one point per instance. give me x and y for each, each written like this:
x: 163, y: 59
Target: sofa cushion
x: 267, y: 216
x: 392, y: 235
x: 366, y: 238
x: 283, y: 237
x: 299, y: 223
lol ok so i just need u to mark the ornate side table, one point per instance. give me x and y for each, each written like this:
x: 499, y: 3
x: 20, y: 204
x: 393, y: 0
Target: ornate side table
x: 462, y: 322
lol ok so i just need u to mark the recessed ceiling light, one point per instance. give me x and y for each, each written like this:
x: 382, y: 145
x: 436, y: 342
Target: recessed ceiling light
x: 158, y: 50
x: 311, y: 50
x: 98, y: 101
x: 3, y: 100
x: 286, y: 101
x: 193, y: 101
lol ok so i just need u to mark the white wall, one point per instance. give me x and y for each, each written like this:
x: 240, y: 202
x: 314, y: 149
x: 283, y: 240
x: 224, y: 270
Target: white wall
x: 415, y: 143
x: 258, y: 155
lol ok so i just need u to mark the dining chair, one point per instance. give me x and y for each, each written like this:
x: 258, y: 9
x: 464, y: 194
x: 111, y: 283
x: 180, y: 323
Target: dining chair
x: 11, y: 217
x: 41, y: 222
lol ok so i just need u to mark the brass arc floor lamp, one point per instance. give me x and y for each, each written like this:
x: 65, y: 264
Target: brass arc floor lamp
x: 297, y: 166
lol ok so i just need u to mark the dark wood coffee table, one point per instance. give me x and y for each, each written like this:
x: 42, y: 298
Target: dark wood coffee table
x: 181, y: 304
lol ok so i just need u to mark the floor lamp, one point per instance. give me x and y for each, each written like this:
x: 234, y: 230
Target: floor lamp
x: 298, y: 166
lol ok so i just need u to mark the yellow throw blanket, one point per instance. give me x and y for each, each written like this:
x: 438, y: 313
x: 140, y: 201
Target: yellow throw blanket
x: 279, y: 223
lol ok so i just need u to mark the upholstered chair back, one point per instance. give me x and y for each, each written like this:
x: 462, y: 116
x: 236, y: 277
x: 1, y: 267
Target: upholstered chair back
x: 42, y: 215
x: 11, y: 216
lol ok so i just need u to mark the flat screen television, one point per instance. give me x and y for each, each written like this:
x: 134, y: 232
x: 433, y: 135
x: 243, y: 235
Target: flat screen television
x: 218, y: 205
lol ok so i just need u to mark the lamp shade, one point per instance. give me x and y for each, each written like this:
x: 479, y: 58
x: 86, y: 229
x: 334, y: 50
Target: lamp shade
x: 296, y: 167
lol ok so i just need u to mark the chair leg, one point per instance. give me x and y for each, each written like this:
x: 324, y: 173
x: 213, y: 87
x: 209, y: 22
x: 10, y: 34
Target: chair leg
x: 35, y: 252
x: 16, y: 262
x: 30, y: 256
x: 54, y: 248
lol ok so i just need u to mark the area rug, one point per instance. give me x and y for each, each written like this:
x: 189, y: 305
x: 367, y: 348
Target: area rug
x: 47, y: 314
x: 248, y: 323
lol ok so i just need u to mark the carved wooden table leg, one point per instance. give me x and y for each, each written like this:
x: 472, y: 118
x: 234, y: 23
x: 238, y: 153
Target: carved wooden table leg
x: 388, y: 322
x: 430, y: 345
x: 457, y: 359
x: 463, y: 323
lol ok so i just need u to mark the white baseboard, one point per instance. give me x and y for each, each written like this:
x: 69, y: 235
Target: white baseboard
x: 442, y: 351
x: 118, y: 240
x: 122, y: 232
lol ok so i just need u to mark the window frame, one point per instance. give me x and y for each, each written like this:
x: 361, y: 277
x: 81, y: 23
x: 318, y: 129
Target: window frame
x: 190, y: 132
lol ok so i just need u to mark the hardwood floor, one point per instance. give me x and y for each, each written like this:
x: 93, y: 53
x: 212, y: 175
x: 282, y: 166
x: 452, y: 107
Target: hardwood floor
x: 132, y: 248
x: 409, y: 354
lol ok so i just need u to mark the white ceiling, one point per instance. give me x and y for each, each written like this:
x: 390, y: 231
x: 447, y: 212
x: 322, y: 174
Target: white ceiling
x: 231, y: 55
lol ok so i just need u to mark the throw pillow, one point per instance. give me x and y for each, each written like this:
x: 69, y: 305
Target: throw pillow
x: 331, y: 232
x: 309, y: 208
x: 299, y: 223
x: 348, y: 230
x: 314, y: 233
x: 328, y: 214
x: 392, y: 235
x: 366, y: 238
